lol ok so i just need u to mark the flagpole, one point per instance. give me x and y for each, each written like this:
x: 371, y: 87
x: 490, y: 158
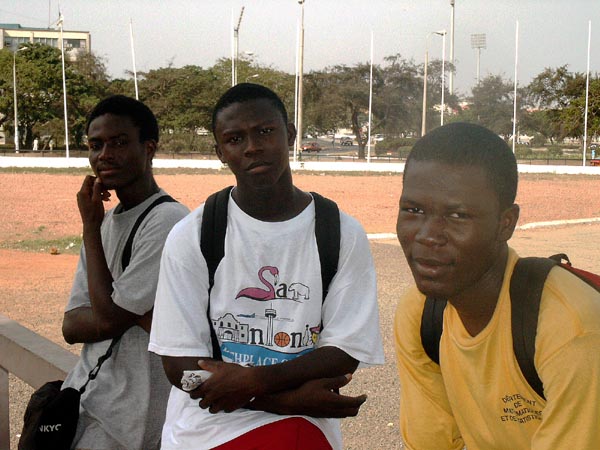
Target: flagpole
x: 587, y: 91
x: 137, y: 97
x: 515, y: 91
x: 370, y: 103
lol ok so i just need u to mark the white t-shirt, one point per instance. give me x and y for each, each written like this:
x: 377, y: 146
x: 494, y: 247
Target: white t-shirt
x: 266, y: 307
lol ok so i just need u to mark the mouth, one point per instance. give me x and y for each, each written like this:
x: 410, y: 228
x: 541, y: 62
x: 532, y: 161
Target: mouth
x: 431, y: 268
x: 257, y: 167
x: 106, y: 171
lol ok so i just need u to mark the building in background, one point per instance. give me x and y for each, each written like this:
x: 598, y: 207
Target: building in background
x: 76, y: 42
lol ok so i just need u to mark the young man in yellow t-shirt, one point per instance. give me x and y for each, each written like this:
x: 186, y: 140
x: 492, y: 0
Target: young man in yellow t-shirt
x: 457, y: 213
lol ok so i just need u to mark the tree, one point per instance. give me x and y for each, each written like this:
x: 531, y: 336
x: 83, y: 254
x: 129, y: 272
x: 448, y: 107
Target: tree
x: 40, y: 90
x: 342, y: 94
x: 573, y: 115
x: 399, y: 111
x: 491, y: 105
x: 548, y: 94
x: 39, y: 87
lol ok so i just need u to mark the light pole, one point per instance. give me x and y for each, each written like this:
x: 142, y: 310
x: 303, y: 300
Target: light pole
x: 478, y: 42
x: 15, y: 97
x: 62, y: 52
x: 424, y: 114
x: 443, y: 34
x: 300, y: 70
x: 236, y: 39
x: 451, y: 87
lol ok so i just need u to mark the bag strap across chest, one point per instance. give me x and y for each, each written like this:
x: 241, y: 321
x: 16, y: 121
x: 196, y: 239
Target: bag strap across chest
x: 214, y: 229
x: 526, y: 286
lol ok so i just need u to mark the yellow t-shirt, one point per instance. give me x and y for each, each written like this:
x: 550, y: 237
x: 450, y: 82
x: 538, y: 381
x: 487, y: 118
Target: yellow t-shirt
x: 480, y: 399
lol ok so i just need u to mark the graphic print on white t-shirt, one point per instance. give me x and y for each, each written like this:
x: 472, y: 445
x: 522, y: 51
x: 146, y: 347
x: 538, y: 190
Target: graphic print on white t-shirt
x: 261, y: 326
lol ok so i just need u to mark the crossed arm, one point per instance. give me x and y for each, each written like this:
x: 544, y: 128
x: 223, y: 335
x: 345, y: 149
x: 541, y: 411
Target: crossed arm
x: 306, y: 385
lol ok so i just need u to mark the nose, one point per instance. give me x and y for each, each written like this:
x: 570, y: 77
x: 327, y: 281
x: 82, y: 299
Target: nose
x: 432, y: 231
x: 106, y: 152
x: 253, y: 144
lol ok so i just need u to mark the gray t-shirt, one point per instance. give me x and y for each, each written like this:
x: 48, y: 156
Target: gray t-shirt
x: 127, y: 401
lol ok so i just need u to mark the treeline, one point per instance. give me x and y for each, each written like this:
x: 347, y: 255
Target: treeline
x: 551, y: 107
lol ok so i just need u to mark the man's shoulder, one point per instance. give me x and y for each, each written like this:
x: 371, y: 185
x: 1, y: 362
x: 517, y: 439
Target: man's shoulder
x: 571, y: 300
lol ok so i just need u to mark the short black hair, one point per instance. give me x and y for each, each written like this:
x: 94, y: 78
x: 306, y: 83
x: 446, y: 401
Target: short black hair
x: 244, y: 92
x: 121, y: 105
x: 467, y: 144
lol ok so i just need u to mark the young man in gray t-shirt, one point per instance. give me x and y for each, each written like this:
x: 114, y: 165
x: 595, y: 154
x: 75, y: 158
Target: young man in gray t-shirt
x: 124, y: 407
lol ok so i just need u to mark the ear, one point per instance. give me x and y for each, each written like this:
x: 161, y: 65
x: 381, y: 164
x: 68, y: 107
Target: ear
x: 291, y: 133
x: 219, y: 153
x: 150, y: 146
x: 508, y: 222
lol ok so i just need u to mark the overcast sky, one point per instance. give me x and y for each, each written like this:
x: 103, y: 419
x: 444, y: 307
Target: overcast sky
x: 551, y: 32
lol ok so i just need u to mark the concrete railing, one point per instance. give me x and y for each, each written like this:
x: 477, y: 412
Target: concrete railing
x: 31, y: 358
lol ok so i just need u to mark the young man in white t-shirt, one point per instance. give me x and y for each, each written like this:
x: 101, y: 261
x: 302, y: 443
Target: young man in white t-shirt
x: 285, y: 349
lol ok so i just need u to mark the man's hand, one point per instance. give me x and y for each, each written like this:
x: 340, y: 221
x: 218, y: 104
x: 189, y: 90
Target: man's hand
x: 315, y: 398
x: 230, y: 386
x: 89, y: 200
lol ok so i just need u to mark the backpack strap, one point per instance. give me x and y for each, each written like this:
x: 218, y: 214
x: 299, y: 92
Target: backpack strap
x: 328, y: 235
x: 125, y: 259
x: 214, y: 228
x: 212, y: 245
x: 526, y: 286
x: 432, y: 325
x: 126, y: 255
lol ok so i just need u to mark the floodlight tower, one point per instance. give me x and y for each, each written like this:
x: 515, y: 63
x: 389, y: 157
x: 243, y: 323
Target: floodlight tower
x: 478, y: 42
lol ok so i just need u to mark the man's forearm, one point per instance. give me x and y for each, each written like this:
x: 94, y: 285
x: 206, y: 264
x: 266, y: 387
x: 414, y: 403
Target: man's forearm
x: 324, y: 362
x: 315, y: 398
x: 79, y: 326
x: 109, y: 318
x: 231, y: 386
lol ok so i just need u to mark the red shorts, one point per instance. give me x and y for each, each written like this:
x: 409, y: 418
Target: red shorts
x: 294, y: 433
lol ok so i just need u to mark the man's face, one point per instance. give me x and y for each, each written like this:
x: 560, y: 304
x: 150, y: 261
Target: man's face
x: 116, y: 154
x: 450, y: 226
x: 253, y: 140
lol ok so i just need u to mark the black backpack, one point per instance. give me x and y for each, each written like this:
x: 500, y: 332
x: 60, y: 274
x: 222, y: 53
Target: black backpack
x: 214, y: 228
x: 526, y: 285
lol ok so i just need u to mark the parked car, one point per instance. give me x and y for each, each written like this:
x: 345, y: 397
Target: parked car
x: 311, y: 147
x: 346, y: 140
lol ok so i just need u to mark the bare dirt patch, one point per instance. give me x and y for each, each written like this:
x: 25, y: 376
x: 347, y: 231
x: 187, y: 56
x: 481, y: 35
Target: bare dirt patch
x: 34, y: 286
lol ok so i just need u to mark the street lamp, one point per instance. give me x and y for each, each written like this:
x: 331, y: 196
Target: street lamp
x: 15, y: 97
x: 478, y: 42
x: 424, y: 115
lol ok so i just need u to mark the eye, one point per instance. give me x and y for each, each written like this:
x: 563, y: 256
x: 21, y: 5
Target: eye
x: 234, y: 140
x: 266, y: 130
x: 412, y: 210
x: 119, y: 143
x: 458, y: 215
x: 95, y: 146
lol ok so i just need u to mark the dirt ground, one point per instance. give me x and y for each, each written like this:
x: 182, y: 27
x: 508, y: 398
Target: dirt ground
x: 34, y: 285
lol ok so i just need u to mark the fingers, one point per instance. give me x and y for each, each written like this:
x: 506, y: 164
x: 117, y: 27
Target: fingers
x: 207, y: 364
x: 338, y: 382
x: 99, y: 191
